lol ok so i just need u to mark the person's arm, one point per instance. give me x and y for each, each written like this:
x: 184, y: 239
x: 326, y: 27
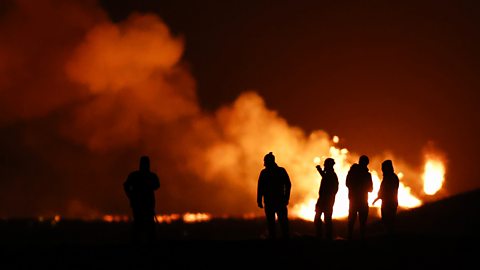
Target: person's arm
x: 335, y: 188
x: 348, y: 180
x: 380, y: 193
x: 319, y: 169
x: 288, y: 187
x: 260, y: 191
x: 156, y: 182
x: 370, y: 183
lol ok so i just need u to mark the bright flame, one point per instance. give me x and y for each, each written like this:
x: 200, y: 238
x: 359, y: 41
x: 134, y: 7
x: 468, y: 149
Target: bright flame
x: 196, y: 217
x: 433, y: 176
x: 335, y: 139
x: 306, y: 209
x: 406, y: 199
x: 167, y: 218
x: 115, y: 218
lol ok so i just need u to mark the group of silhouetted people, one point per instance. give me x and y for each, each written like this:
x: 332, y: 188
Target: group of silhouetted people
x: 274, y: 188
x: 273, y: 195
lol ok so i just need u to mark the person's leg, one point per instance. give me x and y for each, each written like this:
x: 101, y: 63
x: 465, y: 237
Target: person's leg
x: 352, y: 216
x: 136, y: 234
x: 363, y: 216
x: 151, y: 229
x: 283, y: 220
x: 270, y: 217
x: 388, y: 217
x: 318, y: 223
x: 327, y: 215
x: 394, y: 217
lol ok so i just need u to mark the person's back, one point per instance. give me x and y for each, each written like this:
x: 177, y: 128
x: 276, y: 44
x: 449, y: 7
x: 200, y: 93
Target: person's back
x: 273, y: 190
x: 329, y: 185
x: 140, y: 189
x: 359, y: 183
x: 274, y: 185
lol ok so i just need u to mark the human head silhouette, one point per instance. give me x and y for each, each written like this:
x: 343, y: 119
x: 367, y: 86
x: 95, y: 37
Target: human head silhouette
x: 387, y: 166
x: 328, y: 163
x: 144, y: 163
x: 269, y: 160
x: 363, y: 160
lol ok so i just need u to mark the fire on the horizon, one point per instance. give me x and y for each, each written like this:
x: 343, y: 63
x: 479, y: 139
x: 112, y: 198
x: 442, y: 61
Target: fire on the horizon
x: 433, y: 178
x: 117, y: 89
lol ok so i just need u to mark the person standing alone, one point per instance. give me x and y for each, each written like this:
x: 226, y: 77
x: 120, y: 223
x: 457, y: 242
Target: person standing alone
x: 140, y: 189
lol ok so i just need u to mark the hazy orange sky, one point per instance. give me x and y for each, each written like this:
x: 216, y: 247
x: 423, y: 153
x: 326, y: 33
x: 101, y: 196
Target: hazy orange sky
x: 208, y: 87
x: 381, y: 75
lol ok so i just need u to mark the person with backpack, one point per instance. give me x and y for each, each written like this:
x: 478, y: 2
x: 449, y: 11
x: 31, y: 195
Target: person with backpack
x: 273, y: 194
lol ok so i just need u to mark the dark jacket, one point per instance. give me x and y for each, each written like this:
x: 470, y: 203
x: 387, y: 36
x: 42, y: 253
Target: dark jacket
x: 140, y: 187
x: 328, y: 190
x: 359, y: 183
x: 389, y: 189
x: 329, y: 185
x: 273, y: 186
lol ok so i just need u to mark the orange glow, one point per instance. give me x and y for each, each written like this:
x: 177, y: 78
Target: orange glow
x: 196, y: 217
x: 306, y: 208
x: 115, y: 218
x: 167, y: 218
x: 249, y: 216
x: 108, y: 218
x: 433, y: 176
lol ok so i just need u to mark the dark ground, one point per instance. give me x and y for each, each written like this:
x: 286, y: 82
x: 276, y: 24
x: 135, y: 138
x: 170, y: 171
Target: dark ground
x: 439, y: 235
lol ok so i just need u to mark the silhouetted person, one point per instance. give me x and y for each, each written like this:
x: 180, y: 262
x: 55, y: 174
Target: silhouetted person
x: 273, y: 192
x: 326, y: 199
x: 140, y: 188
x: 388, y: 193
x: 359, y: 184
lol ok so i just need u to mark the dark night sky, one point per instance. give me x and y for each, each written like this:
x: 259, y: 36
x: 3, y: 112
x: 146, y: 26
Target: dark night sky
x: 383, y: 76
x: 88, y: 86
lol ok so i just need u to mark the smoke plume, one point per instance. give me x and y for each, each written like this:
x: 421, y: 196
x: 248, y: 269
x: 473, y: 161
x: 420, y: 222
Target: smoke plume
x: 83, y: 98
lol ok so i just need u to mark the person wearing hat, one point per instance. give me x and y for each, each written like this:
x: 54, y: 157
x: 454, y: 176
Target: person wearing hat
x: 273, y: 194
x: 326, y: 199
